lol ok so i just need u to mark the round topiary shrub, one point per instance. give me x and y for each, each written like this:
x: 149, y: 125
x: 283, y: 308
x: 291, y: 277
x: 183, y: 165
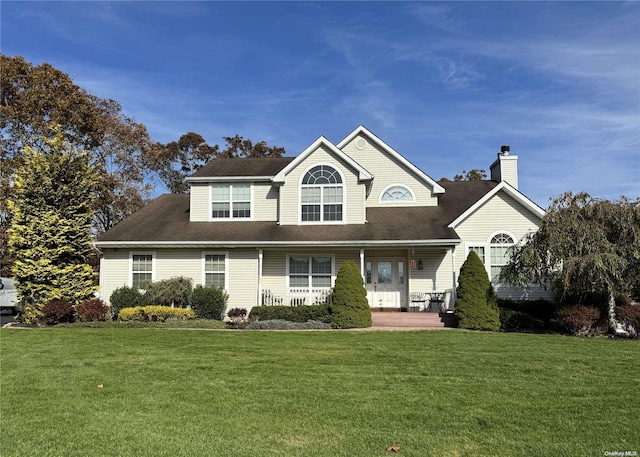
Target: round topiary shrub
x: 209, y: 302
x: 476, y: 305
x: 125, y: 297
x: 349, y: 307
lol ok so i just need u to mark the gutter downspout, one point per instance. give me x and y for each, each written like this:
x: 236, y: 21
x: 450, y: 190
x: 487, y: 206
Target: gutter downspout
x: 260, y: 255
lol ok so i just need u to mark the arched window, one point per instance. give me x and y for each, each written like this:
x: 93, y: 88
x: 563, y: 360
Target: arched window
x: 396, y: 194
x: 321, y: 195
x: 499, y: 248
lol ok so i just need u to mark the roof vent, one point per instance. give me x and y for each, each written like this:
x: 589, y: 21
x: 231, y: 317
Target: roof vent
x: 504, y: 150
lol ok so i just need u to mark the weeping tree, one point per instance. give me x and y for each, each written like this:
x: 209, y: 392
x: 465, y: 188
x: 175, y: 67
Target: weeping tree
x: 50, y: 234
x: 586, y: 247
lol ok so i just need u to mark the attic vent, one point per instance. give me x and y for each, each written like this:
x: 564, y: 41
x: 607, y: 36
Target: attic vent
x: 361, y: 143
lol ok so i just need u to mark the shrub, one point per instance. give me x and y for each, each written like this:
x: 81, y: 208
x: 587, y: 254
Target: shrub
x: 517, y: 321
x: 58, y: 311
x: 543, y: 310
x: 30, y: 315
x: 169, y: 292
x: 237, y: 318
x: 349, y: 307
x: 279, y: 324
x: 93, y: 310
x: 301, y: 313
x: 629, y: 316
x: 476, y: 306
x: 155, y: 313
x: 209, y: 302
x: 125, y: 297
x: 578, y: 319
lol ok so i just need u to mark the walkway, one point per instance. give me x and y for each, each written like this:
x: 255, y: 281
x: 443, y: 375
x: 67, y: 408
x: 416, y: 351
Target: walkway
x: 411, y: 321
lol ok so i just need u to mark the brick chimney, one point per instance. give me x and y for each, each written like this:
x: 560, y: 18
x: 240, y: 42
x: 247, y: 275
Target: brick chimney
x: 505, y: 167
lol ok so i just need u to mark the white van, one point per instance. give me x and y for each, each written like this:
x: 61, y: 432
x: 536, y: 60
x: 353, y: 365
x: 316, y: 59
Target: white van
x: 8, y: 296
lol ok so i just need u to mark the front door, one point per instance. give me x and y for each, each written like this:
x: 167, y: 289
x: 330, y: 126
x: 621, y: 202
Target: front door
x: 385, y: 283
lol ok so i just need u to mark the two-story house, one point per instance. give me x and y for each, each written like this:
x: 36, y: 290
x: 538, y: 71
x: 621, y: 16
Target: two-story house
x: 276, y: 231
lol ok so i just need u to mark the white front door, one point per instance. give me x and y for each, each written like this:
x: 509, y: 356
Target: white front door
x: 385, y: 283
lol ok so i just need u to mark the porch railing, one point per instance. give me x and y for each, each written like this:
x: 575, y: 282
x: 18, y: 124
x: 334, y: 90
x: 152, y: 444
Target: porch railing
x: 296, y: 296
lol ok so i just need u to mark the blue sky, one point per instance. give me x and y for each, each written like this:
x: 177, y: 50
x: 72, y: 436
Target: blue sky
x: 443, y: 83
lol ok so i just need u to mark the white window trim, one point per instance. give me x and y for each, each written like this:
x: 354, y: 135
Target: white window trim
x: 153, y: 264
x: 487, y: 252
x: 226, y: 267
x: 486, y: 263
x: 231, y: 218
x: 344, y: 196
x: 309, y: 256
x: 396, y: 202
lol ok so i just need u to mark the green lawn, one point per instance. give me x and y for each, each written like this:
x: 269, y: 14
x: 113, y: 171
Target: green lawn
x: 251, y: 393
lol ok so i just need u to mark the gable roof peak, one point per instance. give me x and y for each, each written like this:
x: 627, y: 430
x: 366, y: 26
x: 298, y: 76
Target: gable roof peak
x: 361, y: 129
x: 363, y: 174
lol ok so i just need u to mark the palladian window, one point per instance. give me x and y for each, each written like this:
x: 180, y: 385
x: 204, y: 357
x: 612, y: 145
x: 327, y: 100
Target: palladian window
x: 397, y: 194
x: 321, y: 194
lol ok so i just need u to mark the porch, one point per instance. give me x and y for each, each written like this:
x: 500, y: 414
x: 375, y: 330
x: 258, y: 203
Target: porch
x: 420, y: 279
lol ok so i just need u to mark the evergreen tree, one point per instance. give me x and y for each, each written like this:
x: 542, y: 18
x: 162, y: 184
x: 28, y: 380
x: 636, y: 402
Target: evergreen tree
x: 50, y: 236
x: 349, y: 306
x: 476, y: 304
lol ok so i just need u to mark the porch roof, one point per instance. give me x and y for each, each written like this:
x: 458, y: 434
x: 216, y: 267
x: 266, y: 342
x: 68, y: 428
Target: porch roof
x: 165, y: 222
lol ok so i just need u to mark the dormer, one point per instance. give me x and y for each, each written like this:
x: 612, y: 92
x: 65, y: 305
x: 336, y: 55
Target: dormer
x: 323, y: 185
x: 232, y: 190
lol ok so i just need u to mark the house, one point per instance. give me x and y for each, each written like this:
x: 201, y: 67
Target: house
x: 276, y: 231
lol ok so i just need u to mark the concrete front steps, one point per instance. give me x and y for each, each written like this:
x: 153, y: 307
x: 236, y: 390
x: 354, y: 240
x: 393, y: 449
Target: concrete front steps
x: 416, y: 320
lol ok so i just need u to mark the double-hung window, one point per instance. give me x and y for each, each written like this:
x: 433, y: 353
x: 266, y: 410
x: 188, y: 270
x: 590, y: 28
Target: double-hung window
x: 230, y: 201
x: 141, y: 269
x: 215, y: 269
x: 310, y: 272
x: 322, y: 195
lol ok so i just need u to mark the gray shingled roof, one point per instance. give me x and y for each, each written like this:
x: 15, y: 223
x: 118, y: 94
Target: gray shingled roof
x: 166, y: 219
x: 244, y: 167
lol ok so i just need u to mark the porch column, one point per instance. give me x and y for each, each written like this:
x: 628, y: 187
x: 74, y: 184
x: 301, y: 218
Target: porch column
x: 259, y: 277
x: 362, y: 273
x: 453, y: 274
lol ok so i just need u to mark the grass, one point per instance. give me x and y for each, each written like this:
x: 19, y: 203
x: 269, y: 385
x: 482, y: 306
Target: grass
x: 253, y: 393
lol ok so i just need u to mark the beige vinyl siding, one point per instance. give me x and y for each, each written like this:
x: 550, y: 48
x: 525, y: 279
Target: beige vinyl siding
x: 353, y: 208
x: 115, y: 270
x: 242, y: 271
x: 502, y: 213
x: 436, y: 274
x: 265, y: 202
x: 388, y: 171
x: 243, y: 278
x: 200, y: 202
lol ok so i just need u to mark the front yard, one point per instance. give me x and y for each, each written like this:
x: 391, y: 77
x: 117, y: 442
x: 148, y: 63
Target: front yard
x: 159, y: 392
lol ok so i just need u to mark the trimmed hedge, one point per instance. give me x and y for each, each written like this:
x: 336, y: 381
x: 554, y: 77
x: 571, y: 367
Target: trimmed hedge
x: 476, y: 306
x: 155, y: 313
x: 517, y: 321
x: 542, y: 310
x: 302, y: 313
x: 349, y: 307
x: 279, y: 324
